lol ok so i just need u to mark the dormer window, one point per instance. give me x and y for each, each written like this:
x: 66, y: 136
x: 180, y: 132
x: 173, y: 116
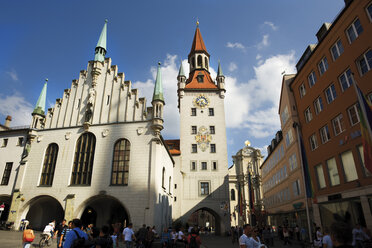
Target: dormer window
x: 200, y: 78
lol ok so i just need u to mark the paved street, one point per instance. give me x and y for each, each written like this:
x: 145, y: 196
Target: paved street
x: 10, y: 239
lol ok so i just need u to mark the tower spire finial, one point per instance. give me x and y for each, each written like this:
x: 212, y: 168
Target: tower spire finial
x: 100, y: 50
x: 197, y: 22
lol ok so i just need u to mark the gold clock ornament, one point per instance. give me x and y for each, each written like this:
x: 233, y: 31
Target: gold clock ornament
x: 201, y: 101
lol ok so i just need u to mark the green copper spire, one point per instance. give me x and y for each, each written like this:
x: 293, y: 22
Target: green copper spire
x: 158, y: 91
x: 40, y: 105
x: 100, y: 50
x: 219, y: 71
x: 180, y: 72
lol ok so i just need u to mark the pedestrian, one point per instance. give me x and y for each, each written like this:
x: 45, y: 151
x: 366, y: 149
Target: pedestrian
x: 28, y: 236
x: 297, y: 232
x: 149, y: 237
x: 341, y: 235
x: 173, y: 237
x: 266, y: 235
x: 60, y: 227
x: 141, y: 235
x: 193, y: 240
x: 255, y: 240
x: 286, y: 236
x: 180, y: 237
x: 64, y: 233
x: 272, y: 236
x: 75, y: 233
x: 165, y: 237
x: 327, y: 241
x: 129, y: 236
x: 318, y: 238
x: 359, y: 236
x: 244, y: 240
x: 104, y: 240
x: 233, y: 236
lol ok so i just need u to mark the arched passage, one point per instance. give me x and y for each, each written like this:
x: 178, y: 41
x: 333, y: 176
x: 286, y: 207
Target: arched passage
x: 103, y: 210
x: 6, y: 200
x: 42, y: 210
x: 206, y: 217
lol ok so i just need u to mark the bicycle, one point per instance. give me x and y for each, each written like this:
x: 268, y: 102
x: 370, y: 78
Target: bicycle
x: 44, y: 241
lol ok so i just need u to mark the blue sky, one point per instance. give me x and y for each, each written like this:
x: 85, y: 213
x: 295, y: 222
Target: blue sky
x: 255, y: 41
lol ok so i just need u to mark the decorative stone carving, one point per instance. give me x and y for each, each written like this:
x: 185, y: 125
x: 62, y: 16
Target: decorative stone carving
x: 39, y: 138
x: 67, y: 92
x: 105, y: 132
x: 68, y: 135
x: 140, y: 130
x: 92, y: 94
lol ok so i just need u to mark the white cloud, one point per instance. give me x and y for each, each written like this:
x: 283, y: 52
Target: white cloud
x: 13, y: 75
x: 253, y: 105
x: 16, y: 106
x: 272, y: 25
x: 259, y: 56
x: 235, y: 45
x: 232, y: 66
x: 264, y: 43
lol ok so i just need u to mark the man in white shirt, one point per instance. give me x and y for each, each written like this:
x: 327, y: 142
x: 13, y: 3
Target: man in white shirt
x: 244, y: 240
x: 48, y: 230
x: 129, y: 236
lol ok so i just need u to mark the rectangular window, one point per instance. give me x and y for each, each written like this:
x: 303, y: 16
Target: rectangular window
x: 330, y: 92
x: 308, y: 115
x: 353, y: 114
x: 212, y: 130
x: 214, y: 165
x: 337, y: 49
x: 313, y: 142
x: 302, y: 90
x: 333, y: 172
x: 365, y: 62
x: 211, y: 111
x: 284, y: 115
x: 204, y: 188
x: 323, y: 66
x: 312, y: 79
x: 289, y: 137
x: 354, y: 30
x: 193, y: 165
x: 204, y: 166
x: 20, y: 141
x: 175, y: 185
x: 338, y: 124
x: 292, y: 162
x: 324, y: 134
x: 6, y: 175
x: 213, y: 148
x: 194, y: 148
x: 193, y: 111
x: 318, y: 105
x: 346, y: 79
x: 369, y: 11
x: 193, y: 130
x: 348, y: 165
x: 108, y: 100
x: 361, y: 155
x: 320, y: 176
x: 5, y: 143
x: 296, y: 188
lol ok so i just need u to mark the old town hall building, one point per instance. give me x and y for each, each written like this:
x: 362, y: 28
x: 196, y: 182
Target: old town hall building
x: 99, y: 155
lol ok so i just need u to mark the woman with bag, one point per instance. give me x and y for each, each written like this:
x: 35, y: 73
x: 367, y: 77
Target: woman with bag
x: 28, y: 237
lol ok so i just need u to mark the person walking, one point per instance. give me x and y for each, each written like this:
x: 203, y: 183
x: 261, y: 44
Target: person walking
x: 193, y: 240
x: 60, y: 227
x: 75, y: 233
x: 319, y: 238
x: 266, y: 235
x: 341, y: 235
x: 327, y: 241
x: 64, y: 233
x: 104, y: 240
x: 359, y: 236
x: 233, y: 235
x: 28, y: 236
x: 129, y: 236
x: 149, y: 237
x: 255, y: 240
x: 286, y: 236
x: 244, y: 240
x: 141, y: 235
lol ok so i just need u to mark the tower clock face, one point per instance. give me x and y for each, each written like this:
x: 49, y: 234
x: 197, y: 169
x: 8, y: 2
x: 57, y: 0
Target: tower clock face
x: 201, y: 101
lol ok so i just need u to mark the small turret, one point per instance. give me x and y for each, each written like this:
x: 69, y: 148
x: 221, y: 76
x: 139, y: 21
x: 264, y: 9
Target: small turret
x: 220, y: 80
x: 181, y: 81
x: 38, y: 114
x: 158, y: 104
x: 100, y: 50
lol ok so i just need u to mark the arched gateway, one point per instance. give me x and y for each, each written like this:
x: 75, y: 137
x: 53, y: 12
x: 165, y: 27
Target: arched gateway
x: 206, y: 217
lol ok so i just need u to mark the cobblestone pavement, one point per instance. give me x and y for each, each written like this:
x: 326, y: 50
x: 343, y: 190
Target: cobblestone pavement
x: 13, y: 239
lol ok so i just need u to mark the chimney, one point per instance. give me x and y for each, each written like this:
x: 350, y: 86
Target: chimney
x: 8, y: 119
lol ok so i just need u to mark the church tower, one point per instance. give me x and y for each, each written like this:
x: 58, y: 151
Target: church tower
x: 203, y: 146
x: 158, y: 104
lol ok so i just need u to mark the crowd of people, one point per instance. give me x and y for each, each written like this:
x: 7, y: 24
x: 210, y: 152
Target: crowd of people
x: 74, y: 235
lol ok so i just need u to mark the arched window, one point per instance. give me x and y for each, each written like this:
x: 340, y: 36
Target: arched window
x: 232, y: 194
x: 163, y: 178
x: 120, y: 163
x: 200, y: 61
x: 49, y: 165
x: 83, y: 162
x: 170, y: 183
x: 206, y: 62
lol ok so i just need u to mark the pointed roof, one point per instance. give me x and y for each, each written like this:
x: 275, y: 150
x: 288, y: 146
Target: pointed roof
x: 99, y: 54
x: 219, y: 71
x: 198, y: 43
x: 180, y: 72
x: 40, y: 105
x: 158, y: 90
x: 206, y: 84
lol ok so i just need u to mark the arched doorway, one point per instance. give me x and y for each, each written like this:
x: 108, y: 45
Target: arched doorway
x: 104, y: 210
x: 42, y: 210
x: 6, y: 200
x: 206, y: 218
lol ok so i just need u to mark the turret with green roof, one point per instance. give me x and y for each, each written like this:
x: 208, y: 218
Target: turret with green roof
x: 100, y: 50
x: 219, y: 71
x: 158, y: 90
x: 40, y: 105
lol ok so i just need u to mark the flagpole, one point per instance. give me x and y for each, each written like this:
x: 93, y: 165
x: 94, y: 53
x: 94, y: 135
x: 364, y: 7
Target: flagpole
x: 303, y: 182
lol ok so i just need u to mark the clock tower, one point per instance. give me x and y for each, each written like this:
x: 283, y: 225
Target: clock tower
x: 203, y: 146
